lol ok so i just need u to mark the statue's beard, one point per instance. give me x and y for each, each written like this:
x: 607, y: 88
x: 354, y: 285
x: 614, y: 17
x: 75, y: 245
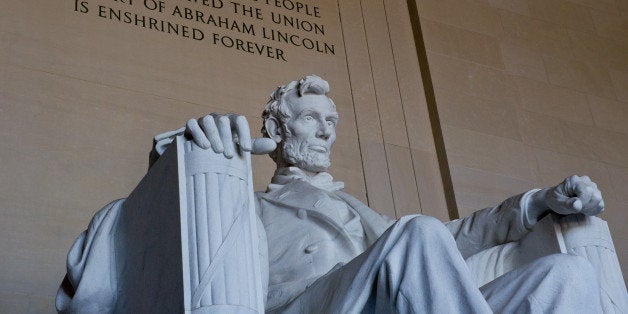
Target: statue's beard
x: 299, y: 153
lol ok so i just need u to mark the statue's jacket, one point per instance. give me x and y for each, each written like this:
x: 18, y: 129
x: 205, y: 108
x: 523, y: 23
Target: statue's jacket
x: 306, y: 240
x: 300, y: 242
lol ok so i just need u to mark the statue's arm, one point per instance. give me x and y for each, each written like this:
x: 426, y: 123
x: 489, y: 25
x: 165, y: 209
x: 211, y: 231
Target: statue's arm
x: 88, y: 285
x: 492, y: 226
x: 513, y: 218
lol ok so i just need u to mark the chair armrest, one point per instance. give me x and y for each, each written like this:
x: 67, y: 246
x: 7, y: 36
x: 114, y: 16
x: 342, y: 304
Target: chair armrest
x: 580, y: 235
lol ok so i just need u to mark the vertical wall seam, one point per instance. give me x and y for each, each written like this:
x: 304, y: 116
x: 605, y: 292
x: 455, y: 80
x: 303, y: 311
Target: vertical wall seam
x: 405, y: 120
x: 432, y: 109
x: 355, y: 114
x: 368, y: 51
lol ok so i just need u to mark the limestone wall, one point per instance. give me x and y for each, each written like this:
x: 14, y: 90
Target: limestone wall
x: 529, y: 92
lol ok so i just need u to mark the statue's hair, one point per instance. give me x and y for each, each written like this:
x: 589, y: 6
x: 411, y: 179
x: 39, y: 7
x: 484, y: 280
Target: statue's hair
x: 276, y: 106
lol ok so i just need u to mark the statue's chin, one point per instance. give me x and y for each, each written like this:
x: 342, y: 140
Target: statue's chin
x: 309, y: 161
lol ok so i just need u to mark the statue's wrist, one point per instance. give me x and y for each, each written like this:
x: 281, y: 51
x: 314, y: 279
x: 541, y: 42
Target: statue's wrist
x: 536, y: 206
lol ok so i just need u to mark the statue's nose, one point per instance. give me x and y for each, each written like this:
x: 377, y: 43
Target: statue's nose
x: 324, y: 131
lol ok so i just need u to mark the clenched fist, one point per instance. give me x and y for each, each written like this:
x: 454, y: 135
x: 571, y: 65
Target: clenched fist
x: 575, y: 195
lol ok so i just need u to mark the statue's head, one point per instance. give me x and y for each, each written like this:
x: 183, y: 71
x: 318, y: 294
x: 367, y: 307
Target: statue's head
x: 302, y: 120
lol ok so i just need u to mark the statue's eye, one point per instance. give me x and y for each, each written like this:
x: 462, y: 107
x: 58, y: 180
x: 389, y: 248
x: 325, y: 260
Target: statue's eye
x: 331, y: 123
x: 308, y: 118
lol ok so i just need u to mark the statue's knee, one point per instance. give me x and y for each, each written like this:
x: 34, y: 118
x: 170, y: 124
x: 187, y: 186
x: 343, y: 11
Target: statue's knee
x: 424, y: 227
x: 568, y: 268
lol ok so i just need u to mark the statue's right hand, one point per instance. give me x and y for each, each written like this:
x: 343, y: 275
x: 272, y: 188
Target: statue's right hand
x: 214, y: 130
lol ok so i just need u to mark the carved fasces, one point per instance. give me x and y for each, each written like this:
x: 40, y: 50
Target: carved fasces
x: 590, y: 238
x: 218, y: 229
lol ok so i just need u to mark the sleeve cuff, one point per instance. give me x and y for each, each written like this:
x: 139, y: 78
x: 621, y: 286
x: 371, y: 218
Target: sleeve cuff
x: 523, y: 204
x: 161, y: 141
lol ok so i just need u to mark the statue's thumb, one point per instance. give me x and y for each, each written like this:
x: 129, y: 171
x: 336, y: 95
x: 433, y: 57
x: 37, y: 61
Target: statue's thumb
x: 576, y: 204
x: 263, y: 145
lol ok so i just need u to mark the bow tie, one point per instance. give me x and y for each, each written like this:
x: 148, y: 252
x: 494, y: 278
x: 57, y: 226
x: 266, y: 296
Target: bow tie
x: 321, y: 180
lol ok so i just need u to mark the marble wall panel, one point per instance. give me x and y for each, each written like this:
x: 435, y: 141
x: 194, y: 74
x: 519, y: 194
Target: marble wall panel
x: 461, y: 43
x: 555, y: 101
x: 566, y: 14
x: 368, y: 124
x: 581, y: 76
x: 383, y: 67
x: 609, y: 114
x: 602, y: 5
x: 590, y: 47
x: 471, y: 78
x: 378, y: 184
x: 470, y: 15
x: 522, y: 61
x: 476, y: 189
x: 429, y: 184
x: 540, y: 35
x: 408, y: 74
x: 472, y: 113
x: 619, y: 179
x: 515, y: 6
x: 24, y: 303
x: 487, y: 152
x: 575, y: 139
x: 617, y: 56
x: 610, y: 24
x: 620, y: 83
x: 403, y: 181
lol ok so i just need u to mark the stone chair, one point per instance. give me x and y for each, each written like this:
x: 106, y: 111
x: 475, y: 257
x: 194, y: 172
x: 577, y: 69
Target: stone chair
x: 188, y: 237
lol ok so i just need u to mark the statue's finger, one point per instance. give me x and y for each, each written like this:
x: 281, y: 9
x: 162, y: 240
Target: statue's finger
x: 597, y: 196
x: 243, y: 132
x: 224, y: 128
x: 578, y: 188
x: 583, y: 191
x: 197, y: 134
x: 211, y: 131
x: 568, y: 185
x: 594, y: 209
x: 262, y: 146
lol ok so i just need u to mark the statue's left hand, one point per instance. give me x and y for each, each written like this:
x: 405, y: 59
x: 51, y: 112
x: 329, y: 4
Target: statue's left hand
x: 575, y: 195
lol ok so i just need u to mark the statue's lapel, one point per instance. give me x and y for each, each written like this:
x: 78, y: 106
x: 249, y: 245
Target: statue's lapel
x: 298, y: 195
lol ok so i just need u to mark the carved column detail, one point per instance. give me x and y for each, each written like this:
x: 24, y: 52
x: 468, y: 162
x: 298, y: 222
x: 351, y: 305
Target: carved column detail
x: 219, y: 232
x: 590, y: 238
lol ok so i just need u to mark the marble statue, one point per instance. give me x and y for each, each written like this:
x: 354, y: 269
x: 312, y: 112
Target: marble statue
x: 321, y: 250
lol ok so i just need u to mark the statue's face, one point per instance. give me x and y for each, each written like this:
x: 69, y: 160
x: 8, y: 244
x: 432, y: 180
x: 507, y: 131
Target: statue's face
x: 310, y: 132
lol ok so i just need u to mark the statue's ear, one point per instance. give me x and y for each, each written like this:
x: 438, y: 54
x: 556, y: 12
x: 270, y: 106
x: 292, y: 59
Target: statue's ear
x: 273, y: 128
